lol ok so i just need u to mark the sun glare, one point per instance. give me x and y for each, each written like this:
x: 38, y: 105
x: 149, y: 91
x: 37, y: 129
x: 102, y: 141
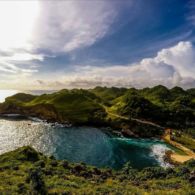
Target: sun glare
x: 6, y: 93
x: 17, y: 19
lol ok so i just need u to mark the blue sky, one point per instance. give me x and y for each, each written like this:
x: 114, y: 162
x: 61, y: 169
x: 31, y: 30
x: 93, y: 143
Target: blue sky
x: 67, y: 44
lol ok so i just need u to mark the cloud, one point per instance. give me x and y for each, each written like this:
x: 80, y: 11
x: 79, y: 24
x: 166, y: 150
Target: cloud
x: 170, y: 67
x: 191, y: 15
x: 17, y: 19
x: 68, y: 25
x: 60, y: 26
x: 65, y: 26
x: 16, y: 32
x: 10, y: 63
x: 39, y: 26
x: 22, y: 56
x: 181, y: 57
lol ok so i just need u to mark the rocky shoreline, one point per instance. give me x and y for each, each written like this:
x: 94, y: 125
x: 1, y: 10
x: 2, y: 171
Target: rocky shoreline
x: 127, y: 127
x: 120, y: 133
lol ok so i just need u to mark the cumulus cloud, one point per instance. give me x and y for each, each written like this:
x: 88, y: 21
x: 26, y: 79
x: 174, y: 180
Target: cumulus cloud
x: 170, y: 67
x: 181, y: 57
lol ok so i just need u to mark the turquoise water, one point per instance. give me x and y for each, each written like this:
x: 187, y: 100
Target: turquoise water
x: 81, y: 144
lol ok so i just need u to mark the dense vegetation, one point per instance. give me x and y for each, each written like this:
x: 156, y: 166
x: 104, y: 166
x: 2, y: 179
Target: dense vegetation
x: 143, y: 112
x: 140, y: 113
x: 186, y: 139
x: 173, y: 108
x: 24, y: 171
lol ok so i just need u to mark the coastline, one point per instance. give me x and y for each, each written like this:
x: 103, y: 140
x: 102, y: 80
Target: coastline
x: 175, y: 157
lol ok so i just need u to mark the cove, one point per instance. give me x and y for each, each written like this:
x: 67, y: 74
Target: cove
x: 81, y: 144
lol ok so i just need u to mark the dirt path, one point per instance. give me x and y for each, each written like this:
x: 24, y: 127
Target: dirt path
x: 133, y: 119
x: 178, y: 157
x: 147, y: 122
x: 167, y: 137
x: 116, y: 115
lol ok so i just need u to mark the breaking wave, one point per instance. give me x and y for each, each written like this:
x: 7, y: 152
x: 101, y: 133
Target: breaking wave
x: 158, y: 151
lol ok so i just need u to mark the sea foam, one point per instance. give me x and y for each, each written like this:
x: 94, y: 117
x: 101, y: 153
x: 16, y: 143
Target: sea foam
x: 158, y: 151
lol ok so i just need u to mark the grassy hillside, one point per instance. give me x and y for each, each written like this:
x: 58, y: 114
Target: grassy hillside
x: 24, y: 171
x: 131, y: 109
x: 171, y: 108
x: 108, y: 94
x: 20, y: 98
x: 75, y: 106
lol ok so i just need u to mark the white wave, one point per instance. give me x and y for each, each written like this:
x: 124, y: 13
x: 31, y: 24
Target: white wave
x: 35, y: 119
x: 158, y: 152
x: 11, y: 115
x: 50, y: 124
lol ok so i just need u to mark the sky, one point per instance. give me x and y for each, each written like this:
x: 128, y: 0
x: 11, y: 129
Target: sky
x: 55, y: 44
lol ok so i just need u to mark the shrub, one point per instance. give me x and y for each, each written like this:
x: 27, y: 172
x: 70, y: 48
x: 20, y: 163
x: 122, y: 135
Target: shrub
x: 40, y: 163
x: 190, y: 163
x: 153, y: 172
x: 37, y: 182
x: 21, y: 188
x: 28, y: 154
x: 65, y: 164
x: 54, y: 163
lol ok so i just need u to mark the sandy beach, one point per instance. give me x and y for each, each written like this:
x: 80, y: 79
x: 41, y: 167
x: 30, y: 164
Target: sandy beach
x: 178, y: 158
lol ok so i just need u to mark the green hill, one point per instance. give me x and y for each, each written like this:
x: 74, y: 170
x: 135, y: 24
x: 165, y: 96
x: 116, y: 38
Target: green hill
x: 75, y: 106
x: 118, y: 108
x: 158, y: 95
x: 108, y: 94
x: 25, y: 171
x: 20, y: 98
x: 134, y: 112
